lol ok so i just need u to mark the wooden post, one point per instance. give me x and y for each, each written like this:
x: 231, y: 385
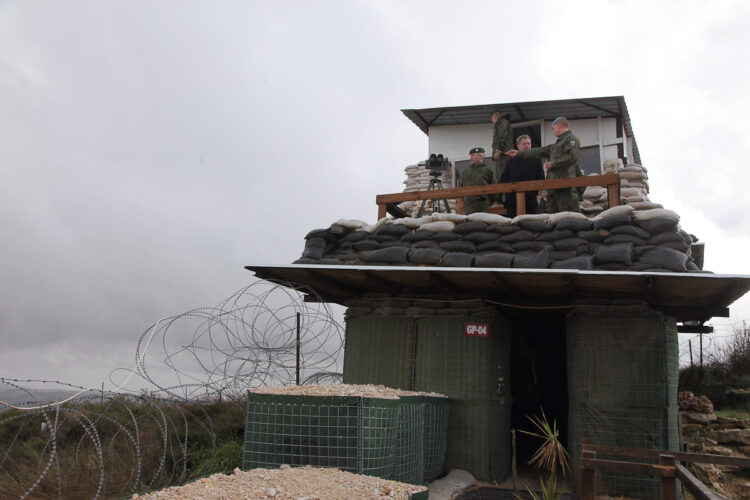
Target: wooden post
x: 520, y: 203
x: 668, y: 490
x: 459, y: 205
x: 588, y: 478
x: 381, y: 210
x: 613, y: 194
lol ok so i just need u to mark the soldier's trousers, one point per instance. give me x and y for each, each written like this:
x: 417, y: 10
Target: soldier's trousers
x: 562, y: 200
x: 475, y: 204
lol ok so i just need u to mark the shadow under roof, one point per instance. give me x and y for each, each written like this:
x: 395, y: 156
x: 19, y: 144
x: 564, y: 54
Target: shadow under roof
x: 685, y: 296
x: 573, y: 109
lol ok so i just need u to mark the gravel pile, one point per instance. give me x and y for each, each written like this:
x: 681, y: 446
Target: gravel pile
x: 365, y: 391
x: 621, y: 238
x: 302, y: 483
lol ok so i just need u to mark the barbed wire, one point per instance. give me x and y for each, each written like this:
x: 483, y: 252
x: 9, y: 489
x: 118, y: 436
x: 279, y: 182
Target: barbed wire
x: 197, y: 368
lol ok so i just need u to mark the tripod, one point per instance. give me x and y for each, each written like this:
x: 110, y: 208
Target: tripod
x: 435, y: 184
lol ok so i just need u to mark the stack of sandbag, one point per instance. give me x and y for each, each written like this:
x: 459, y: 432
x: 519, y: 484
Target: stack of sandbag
x: 418, y: 179
x: 619, y: 238
x: 634, y: 189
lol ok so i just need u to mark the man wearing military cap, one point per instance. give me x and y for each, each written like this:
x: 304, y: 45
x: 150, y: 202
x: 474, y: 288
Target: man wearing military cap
x: 502, y: 140
x: 562, y: 163
x: 477, y: 174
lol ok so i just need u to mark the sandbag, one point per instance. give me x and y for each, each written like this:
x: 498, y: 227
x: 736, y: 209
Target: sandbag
x: 488, y: 218
x: 392, y: 255
x: 593, y: 236
x: 452, y: 217
x: 351, y: 223
x: 470, y: 227
x: 459, y: 246
x: 624, y: 238
x: 522, y: 235
x: 397, y: 243
x: 656, y: 213
x: 315, y: 248
x: 374, y: 227
x: 556, y: 218
x: 494, y: 259
x: 569, y: 243
x: 502, y: 228
x: 418, y: 235
x: 621, y: 253
x: 535, y: 225
x: 337, y: 232
x: 657, y: 224
x: 381, y: 238
x: 666, y: 258
x: 612, y: 221
x: 365, y: 245
x: 680, y: 246
x: 594, y: 192
x: 447, y: 236
x: 645, y: 205
x: 456, y: 259
x: 540, y: 260
x: 329, y: 261
x: 555, y: 235
x: 530, y: 245
x: 409, y: 222
x: 583, y: 262
x: 562, y: 254
x: 575, y: 225
x: 425, y: 256
x: 618, y: 210
x: 305, y: 260
x: 500, y: 246
x: 480, y: 237
x: 392, y: 230
x: 354, y: 236
x: 317, y: 233
x: 438, y: 227
x: 664, y: 237
x: 631, y: 230
x: 425, y: 244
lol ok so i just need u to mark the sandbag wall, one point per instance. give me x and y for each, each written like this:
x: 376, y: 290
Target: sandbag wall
x: 622, y: 386
x: 620, y: 238
x: 634, y: 189
x: 417, y: 348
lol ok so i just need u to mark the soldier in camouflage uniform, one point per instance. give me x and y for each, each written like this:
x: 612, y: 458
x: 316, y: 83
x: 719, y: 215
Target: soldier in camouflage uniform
x: 502, y: 140
x: 562, y: 163
x: 477, y: 174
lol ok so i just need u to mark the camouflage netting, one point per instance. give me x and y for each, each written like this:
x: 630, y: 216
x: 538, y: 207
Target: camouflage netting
x: 622, y: 385
x: 621, y: 238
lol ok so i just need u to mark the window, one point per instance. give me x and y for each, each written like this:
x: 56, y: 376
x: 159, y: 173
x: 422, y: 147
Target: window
x: 590, y: 161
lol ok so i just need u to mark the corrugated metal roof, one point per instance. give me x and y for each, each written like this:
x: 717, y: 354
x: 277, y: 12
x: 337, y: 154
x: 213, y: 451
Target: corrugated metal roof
x: 685, y: 296
x: 573, y: 109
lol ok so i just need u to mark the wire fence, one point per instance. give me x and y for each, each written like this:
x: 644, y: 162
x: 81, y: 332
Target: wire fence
x: 58, y: 440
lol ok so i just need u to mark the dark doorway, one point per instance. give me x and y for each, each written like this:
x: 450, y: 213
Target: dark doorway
x: 538, y: 377
x: 533, y: 131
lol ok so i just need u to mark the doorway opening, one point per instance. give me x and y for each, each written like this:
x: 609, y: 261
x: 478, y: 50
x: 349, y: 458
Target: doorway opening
x: 538, y: 377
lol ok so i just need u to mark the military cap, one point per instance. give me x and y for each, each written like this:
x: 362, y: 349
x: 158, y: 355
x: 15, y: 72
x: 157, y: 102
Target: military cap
x: 558, y: 119
x: 476, y: 150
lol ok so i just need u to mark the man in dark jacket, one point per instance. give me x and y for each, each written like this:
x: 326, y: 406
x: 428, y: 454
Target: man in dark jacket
x: 562, y: 163
x: 522, y: 169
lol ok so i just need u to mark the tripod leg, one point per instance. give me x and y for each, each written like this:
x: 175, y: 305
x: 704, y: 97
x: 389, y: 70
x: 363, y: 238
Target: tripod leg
x: 421, y: 207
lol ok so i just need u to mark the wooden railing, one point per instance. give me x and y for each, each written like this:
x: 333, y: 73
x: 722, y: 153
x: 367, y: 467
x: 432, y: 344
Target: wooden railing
x: 387, y: 202
x: 667, y: 470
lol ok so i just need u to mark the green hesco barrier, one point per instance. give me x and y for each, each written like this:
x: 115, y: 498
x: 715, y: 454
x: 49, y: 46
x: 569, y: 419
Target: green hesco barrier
x: 409, y: 449
x: 622, y: 384
x: 354, y: 434
x: 379, y: 351
x: 436, y: 411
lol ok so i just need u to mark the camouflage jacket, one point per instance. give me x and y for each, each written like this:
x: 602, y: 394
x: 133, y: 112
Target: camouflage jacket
x: 563, y: 154
x: 477, y: 174
x: 502, y: 137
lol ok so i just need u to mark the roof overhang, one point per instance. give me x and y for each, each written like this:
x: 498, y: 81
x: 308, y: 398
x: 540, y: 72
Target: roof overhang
x: 573, y: 109
x: 685, y: 296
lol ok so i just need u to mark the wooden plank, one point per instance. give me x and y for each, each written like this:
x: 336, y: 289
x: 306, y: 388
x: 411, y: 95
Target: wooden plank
x: 628, y: 467
x: 681, y: 456
x: 594, y: 180
x: 520, y: 203
x: 667, y: 484
x: 381, y: 210
x: 695, y: 486
x: 395, y: 211
x: 613, y: 194
x: 588, y: 477
x: 459, y: 205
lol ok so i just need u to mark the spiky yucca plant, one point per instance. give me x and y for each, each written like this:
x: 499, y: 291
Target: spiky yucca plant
x: 552, y: 453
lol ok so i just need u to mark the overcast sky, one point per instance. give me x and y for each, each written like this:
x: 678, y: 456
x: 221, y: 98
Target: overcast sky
x: 151, y: 149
